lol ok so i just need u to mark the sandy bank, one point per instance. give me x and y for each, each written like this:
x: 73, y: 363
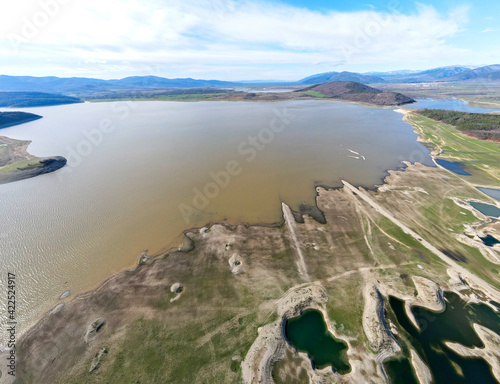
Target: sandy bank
x: 490, y: 352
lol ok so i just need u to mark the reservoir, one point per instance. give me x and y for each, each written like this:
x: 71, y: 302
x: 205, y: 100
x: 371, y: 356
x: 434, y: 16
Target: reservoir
x: 454, y: 324
x: 308, y: 333
x: 139, y: 173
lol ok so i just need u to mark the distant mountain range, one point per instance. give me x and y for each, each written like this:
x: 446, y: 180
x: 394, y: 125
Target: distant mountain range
x: 444, y: 74
x: 341, y: 76
x: 87, y: 87
x: 34, y: 99
x: 81, y: 86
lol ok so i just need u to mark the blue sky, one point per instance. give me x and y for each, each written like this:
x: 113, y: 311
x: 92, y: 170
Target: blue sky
x: 243, y: 39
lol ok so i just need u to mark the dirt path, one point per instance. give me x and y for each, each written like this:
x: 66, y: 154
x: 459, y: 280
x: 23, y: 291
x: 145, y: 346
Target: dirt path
x: 494, y: 294
x: 290, y: 223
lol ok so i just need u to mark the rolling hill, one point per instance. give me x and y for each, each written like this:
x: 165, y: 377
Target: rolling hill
x: 82, y: 87
x: 341, y: 76
x: 357, y: 92
x: 34, y: 99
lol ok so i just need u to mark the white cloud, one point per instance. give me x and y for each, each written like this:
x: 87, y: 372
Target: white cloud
x: 110, y: 33
x: 488, y: 30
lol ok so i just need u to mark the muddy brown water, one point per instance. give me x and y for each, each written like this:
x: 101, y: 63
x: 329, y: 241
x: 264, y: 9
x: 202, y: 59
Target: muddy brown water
x: 140, y: 173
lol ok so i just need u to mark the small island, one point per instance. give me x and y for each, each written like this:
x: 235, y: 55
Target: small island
x: 15, y: 161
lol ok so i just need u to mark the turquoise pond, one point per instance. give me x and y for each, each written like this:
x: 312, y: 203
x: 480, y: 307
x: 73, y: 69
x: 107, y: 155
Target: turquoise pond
x: 486, y: 209
x: 308, y: 333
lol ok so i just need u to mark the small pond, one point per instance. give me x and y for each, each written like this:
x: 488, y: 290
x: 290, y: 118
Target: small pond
x: 454, y: 167
x: 489, y: 240
x: 486, y: 209
x: 309, y: 333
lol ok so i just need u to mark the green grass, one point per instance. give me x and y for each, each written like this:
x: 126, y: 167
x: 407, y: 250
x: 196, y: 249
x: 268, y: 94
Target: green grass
x: 481, y: 158
x: 187, y: 97
x: 20, y: 165
x: 314, y: 94
x: 345, y: 306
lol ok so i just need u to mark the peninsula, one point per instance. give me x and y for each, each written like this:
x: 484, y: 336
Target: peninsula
x: 15, y: 161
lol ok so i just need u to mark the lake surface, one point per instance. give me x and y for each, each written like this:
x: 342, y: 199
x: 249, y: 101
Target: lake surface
x: 491, y: 192
x: 486, y: 209
x: 308, y: 333
x: 453, y: 325
x: 448, y: 104
x: 140, y: 173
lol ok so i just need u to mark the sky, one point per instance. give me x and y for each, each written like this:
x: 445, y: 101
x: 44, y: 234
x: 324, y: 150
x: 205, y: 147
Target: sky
x: 243, y: 40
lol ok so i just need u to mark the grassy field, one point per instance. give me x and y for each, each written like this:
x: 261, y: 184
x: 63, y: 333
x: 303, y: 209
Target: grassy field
x: 314, y: 93
x: 13, y: 156
x: 481, y: 158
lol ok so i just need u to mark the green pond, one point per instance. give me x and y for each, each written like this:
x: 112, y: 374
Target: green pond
x: 400, y: 371
x: 308, y: 333
x: 454, y: 324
